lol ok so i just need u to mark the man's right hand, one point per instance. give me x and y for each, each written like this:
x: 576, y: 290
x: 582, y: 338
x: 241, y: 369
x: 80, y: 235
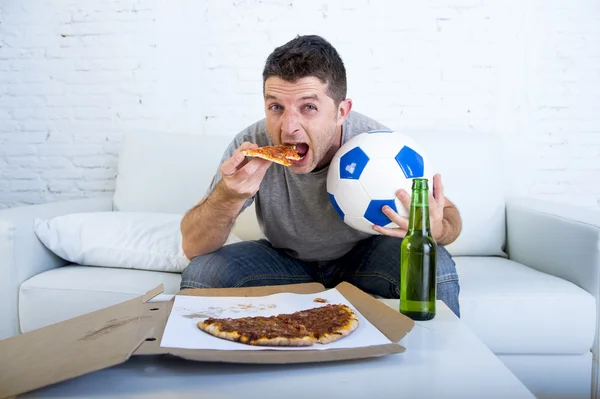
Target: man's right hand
x: 241, y: 178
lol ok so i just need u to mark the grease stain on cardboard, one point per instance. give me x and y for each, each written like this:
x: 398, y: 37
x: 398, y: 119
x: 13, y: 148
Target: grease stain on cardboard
x: 213, y: 311
x: 111, y: 325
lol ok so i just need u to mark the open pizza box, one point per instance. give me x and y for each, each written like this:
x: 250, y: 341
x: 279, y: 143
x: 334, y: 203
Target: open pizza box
x: 112, y: 335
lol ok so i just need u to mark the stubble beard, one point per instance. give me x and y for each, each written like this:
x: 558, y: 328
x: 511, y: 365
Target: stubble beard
x: 323, y: 150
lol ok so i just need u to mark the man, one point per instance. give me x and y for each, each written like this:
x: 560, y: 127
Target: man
x: 304, y: 86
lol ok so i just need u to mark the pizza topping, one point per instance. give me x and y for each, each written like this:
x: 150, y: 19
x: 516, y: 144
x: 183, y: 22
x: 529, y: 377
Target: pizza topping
x: 261, y: 327
x: 325, y: 319
x: 286, y: 151
x: 320, y: 300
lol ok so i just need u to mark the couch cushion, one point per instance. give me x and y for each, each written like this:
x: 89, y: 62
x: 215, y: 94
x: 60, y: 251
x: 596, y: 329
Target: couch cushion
x: 515, y: 309
x: 73, y: 290
x: 474, y: 177
x: 170, y: 172
x: 165, y: 172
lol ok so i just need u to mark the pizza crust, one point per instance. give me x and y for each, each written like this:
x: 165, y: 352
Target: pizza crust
x: 213, y: 329
x: 344, y: 331
x: 280, y: 341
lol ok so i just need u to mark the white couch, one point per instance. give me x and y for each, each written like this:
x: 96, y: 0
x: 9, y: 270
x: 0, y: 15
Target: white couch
x: 529, y: 269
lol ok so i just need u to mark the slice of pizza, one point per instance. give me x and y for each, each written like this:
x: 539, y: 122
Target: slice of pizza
x: 281, y: 154
x: 323, y: 324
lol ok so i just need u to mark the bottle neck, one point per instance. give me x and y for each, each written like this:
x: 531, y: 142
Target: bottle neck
x: 418, y: 223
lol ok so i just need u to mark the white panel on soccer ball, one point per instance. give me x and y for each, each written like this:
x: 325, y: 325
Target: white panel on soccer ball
x: 361, y: 224
x: 429, y: 171
x: 382, y: 178
x: 333, y: 174
x: 384, y: 145
x: 351, y: 197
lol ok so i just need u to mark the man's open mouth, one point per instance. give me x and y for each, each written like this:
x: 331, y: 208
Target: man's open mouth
x: 301, y: 149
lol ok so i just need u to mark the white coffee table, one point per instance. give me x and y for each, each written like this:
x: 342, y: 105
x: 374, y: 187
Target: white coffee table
x: 443, y: 359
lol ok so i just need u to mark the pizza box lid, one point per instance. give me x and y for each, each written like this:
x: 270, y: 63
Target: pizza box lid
x: 112, y: 335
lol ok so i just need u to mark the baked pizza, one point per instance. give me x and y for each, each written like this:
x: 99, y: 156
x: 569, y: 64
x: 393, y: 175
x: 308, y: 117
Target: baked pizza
x: 322, y: 325
x: 281, y: 154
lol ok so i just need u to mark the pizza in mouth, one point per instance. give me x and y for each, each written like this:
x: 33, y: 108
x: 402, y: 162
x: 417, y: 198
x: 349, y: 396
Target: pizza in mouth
x: 282, y: 154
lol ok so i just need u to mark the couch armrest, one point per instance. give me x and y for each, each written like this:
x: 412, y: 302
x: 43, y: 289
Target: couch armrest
x: 22, y: 255
x: 558, y: 239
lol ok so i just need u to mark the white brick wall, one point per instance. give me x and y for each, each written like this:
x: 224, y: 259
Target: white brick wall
x: 74, y: 75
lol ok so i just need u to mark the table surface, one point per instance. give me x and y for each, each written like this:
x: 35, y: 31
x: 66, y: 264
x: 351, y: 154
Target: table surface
x: 443, y: 359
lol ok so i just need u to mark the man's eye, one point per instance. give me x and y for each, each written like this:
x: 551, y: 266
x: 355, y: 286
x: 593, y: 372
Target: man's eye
x: 310, y: 107
x: 275, y: 107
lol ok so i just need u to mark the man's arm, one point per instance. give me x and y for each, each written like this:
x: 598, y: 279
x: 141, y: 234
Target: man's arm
x: 451, y: 224
x: 205, y: 227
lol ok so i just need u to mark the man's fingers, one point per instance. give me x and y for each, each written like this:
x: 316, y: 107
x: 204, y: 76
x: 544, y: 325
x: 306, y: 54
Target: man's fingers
x: 433, y: 206
x: 248, y: 178
x: 230, y: 166
x: 246, y: 144
x: 402, y: 222
x: 264, y: 164
x: 404, y: 198
x: 237, y: 160
x: 256, y: 166
x: 392, y: 232
x: 438, y: 190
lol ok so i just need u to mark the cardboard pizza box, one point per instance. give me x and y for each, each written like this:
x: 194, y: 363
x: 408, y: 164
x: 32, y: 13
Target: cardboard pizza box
x: 112, y: 335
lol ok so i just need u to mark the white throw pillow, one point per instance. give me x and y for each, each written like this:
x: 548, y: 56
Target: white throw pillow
x: 129, y: 240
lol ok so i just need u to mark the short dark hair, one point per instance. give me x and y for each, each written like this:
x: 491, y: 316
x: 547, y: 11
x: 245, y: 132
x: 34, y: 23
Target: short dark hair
x: 309, y: 55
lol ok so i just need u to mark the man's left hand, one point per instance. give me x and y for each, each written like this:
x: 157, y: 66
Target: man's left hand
x: 436, y: 212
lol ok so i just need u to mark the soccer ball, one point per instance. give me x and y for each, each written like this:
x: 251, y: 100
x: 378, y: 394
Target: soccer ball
x: 366, y: 172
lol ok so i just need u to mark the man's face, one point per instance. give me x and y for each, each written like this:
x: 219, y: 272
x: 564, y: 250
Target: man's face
x: 301, y: 113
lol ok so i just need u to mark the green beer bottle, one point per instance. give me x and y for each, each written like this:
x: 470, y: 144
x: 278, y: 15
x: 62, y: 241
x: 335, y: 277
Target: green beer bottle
x: 418, y: 259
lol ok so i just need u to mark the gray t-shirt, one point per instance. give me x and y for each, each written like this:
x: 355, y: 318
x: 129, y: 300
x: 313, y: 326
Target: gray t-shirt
x: 293, y: 210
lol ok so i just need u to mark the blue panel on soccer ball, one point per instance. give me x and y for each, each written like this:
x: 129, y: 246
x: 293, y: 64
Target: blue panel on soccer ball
x: 410, y: 162
x: 353, y: 163
x: 336, y: 206
x: 375, y: 215
x: 380, y: 131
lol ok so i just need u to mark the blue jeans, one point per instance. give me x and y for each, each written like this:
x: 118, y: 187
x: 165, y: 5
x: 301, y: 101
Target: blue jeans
x: 373, y: 265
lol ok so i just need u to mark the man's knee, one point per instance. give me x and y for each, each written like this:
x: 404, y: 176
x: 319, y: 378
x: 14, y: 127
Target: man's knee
x: 233, y: 265
x: 218, y: 269
x: 448, y: 292
x: 446, y: 268
x: 204, y: 271
x: 448, y: 286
